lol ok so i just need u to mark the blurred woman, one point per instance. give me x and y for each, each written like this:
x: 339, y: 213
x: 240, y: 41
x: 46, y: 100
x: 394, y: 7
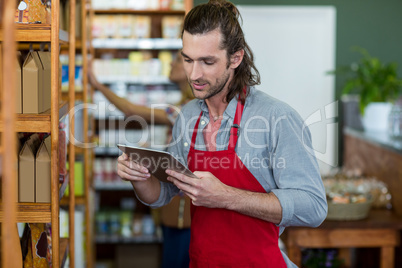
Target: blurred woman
x: 175, y: 217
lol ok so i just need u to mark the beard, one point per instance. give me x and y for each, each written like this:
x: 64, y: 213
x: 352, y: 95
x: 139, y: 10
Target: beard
x: 214, y: 90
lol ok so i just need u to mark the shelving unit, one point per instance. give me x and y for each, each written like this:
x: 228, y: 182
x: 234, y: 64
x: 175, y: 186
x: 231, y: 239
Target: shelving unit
x: 83, y: 96
x: 47, y: 122
x: 107, y: 245
x: 9, y: 243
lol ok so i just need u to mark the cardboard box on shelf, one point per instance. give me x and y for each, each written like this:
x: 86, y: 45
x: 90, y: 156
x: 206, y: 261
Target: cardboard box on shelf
x: 36, y: 84
x: 26, y: 169
x: 43, y: 172
x: 45, y: 57
x: 18, y: 85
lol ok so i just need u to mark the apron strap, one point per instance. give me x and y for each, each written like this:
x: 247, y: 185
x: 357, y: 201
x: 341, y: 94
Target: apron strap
x: 234, y: 130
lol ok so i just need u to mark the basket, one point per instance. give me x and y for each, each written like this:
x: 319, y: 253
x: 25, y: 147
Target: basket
x: 348, y: 212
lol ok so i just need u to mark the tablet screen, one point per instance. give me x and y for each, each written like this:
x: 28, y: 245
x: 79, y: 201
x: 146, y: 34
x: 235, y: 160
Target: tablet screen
x: 157, y: 162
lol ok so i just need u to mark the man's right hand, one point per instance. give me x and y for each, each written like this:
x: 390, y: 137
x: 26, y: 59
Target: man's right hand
x: 129, y: 170
x: 146, y: 186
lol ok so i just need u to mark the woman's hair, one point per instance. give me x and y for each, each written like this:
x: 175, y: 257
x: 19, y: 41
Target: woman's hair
x: 225, y: 16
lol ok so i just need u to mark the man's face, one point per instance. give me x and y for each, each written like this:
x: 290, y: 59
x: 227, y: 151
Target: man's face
x: 206, y: 65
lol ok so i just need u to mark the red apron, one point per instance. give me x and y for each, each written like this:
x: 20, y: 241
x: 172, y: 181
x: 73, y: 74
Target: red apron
x: 224, y: 238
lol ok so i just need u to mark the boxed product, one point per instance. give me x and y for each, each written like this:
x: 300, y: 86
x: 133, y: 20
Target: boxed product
x: 125, y: 26
x: 37, y: 246
x: 26, y: 169
x: 18, y: 85
x: 142, y: 27
x: 171, y: 27
x: 36, y: 83
x: 43, y: 172
x: 34, y: 170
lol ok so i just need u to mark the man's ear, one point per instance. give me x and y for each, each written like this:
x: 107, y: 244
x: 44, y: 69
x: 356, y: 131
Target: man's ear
x: 236, y: 59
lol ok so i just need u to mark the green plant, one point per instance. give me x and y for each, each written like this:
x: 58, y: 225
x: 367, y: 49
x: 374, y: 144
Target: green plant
x: 321, y: 258
x: 371, y: 79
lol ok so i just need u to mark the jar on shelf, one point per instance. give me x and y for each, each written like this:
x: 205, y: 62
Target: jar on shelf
x: 395, y: 120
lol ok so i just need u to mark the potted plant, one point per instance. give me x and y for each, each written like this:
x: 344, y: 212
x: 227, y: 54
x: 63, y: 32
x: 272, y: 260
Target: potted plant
x: 377, y: 86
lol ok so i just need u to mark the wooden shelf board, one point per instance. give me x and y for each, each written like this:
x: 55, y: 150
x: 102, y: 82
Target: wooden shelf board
x: 35, y: 33
x: 79, y: 96
x: 79, y: 200
x: 63, y: 251
x: 35, y: 212
x: 139, y: 12
x: 32, y: 212
x: 36, y: 122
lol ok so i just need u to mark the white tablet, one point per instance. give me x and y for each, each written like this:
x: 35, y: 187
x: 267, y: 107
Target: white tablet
x: 157, y: 162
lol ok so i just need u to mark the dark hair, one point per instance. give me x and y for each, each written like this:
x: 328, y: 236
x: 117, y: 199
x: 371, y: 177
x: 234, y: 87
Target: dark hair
x: 225, y: 16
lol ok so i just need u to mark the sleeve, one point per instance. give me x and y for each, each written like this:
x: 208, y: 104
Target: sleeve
x: 300, y: 187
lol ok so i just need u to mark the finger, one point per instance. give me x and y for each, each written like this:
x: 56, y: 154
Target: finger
x: 131, y: 164
x: 187, y: 188
x: 136, y: 166
x: 122, y: 157
x: 132, y: 172
x: 128, y: 177
x: 180, y: 176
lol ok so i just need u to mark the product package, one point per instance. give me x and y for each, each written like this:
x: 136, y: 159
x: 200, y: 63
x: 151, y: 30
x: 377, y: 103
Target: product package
x: 43, y: 172
x: 37, y: 246
x: 18, y: 85
x: 171, y: 27
x: 26, y: 169
x: 36, y: 84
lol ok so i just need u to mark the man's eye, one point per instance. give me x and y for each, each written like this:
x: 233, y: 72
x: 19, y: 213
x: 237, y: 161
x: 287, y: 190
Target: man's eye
x: 187, y: 60
x: 209, y: 62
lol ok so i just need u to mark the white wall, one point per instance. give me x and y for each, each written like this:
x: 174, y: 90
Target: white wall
x: 294, y: 47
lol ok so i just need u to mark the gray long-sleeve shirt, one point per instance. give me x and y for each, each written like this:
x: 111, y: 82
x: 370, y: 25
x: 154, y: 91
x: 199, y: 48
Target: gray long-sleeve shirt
x: 273, y: 144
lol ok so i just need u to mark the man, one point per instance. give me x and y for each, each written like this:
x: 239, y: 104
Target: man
x: 255, y: 176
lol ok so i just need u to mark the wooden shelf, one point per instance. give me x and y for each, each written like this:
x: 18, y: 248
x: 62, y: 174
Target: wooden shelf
x: 79, y: 95
x: 36, y: 212
x: 36, y: 122
x: 63, y: 251
x: 35, y: 33
x: 131, y: 43
x: 79, y: 200
x: 32, y: 212
x: 139, y: 12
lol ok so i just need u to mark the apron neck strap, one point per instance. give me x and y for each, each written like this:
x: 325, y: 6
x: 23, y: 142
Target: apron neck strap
x: 234, y: 130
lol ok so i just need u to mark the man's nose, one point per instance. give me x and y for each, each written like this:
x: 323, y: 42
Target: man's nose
x: 196, y: 71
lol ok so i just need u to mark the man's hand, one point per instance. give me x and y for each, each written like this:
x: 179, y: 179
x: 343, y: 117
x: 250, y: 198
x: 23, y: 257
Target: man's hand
x: 207, y: 191
x: 146, y: 186
x: 130, y: 171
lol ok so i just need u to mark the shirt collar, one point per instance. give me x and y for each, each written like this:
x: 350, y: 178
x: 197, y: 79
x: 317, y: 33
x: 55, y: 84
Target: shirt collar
x: 229, y: 111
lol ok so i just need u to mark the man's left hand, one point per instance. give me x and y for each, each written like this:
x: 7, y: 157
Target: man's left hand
x: 207, y: 190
